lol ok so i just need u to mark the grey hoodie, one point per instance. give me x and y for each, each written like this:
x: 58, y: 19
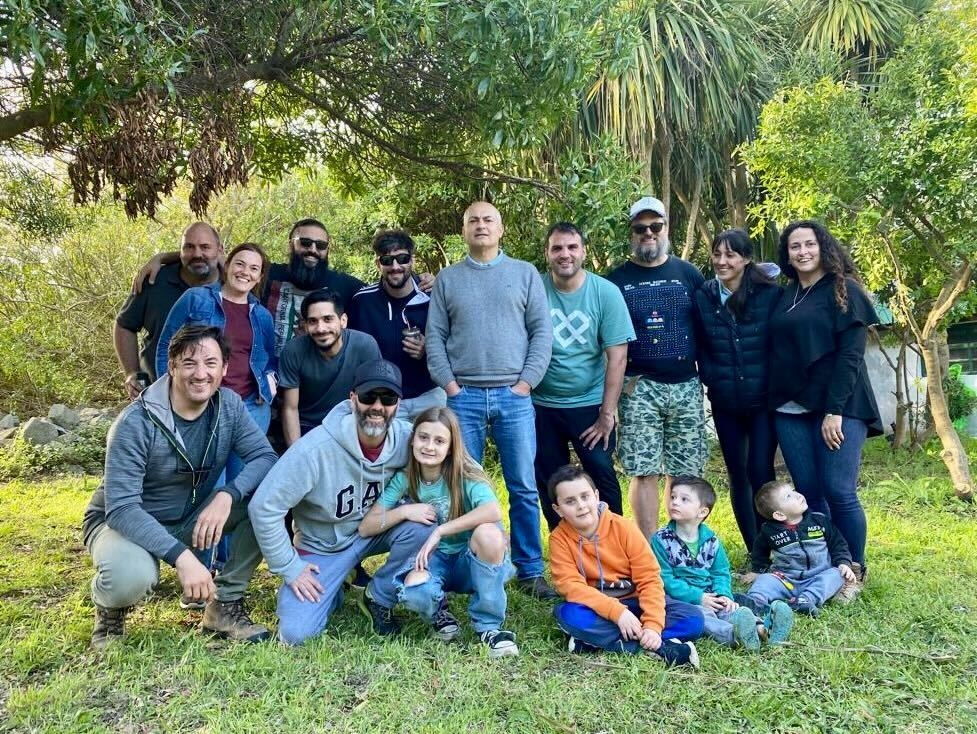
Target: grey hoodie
x: 144, y: 489
x: 329, y: 486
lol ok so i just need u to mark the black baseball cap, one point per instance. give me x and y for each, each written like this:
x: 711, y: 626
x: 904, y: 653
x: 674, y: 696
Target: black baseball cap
x: 378, y: 374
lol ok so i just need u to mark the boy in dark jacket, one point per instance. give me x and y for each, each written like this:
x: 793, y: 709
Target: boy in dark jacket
x: 800, y: 556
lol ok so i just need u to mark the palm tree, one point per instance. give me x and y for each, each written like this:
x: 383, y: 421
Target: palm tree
x: 687, y: 94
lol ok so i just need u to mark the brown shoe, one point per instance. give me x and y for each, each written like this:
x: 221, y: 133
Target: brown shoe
x: 109, y: 626
x: 229, y: 619
x: 851, y: 589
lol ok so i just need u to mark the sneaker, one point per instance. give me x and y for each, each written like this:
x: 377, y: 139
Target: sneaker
x: 445, y: 625
x: 230, y: 620
x: 537, y: 586
x: 501, y: 643
x: 675, y: 652
x: 851, y: 589
x: 109, y: 626
x: 745, y: 633
x: 804, y: 605
x: 193, y: 604
x: 358, y: 578
x: 381, y: 618
x: 579, y: 647
x: 780, y: 621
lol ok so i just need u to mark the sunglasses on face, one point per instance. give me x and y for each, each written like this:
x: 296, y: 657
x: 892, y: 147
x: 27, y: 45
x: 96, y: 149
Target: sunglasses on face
x: 655, y: 227
x: 401, y: 258
x: 385, y: 397
x: 307, y: 242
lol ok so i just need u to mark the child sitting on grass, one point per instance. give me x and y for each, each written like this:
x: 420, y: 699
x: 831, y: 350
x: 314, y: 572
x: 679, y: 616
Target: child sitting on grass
x: 800, y: 556
x: 603, y: 567
x: 468, y: 551
x: 695, y: 569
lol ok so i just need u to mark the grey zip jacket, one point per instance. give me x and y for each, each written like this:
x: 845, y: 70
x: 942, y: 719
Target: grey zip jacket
x: 329, y: 486
x: 147, y: 482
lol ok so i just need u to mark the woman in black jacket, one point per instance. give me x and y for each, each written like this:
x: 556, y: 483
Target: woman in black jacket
x: 819, y: 387
x: 733, y: 312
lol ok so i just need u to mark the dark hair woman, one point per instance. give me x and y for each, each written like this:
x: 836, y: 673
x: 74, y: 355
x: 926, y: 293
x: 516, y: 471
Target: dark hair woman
x: 733, y: 314
x: 819, y: 387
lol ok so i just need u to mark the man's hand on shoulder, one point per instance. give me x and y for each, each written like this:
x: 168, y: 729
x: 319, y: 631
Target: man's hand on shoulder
x: 147, y: 274
x: 426, y: 282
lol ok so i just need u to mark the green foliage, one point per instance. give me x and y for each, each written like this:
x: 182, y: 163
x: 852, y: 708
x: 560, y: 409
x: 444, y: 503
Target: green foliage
x: 961, y: 401
x: 85, y: 451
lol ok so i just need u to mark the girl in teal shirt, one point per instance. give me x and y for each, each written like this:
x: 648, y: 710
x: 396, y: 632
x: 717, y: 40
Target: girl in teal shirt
x: 468, y: 551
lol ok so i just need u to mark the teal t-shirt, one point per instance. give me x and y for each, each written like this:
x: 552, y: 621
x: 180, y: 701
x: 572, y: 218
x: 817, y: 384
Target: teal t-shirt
x: 473, y: 495
x: 585, y: 323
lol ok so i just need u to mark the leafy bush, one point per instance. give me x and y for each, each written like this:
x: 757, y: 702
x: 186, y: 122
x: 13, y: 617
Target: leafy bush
x: 960, y: 399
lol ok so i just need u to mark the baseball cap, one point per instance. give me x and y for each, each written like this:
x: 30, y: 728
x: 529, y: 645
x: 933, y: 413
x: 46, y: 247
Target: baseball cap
x: 648, y: 204
x: 378, y: 374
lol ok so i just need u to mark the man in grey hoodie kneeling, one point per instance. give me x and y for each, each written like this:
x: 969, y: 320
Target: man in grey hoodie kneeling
x: 330, y: 478
x: 160, y: 497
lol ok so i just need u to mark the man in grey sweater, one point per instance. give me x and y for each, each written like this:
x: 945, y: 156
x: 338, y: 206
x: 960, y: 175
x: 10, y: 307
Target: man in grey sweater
x: 488, y: 345
x: 159, y: 496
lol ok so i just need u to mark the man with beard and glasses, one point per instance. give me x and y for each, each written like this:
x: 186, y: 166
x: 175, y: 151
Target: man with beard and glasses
x: 662, y: 425
x: 394, y: 312
x: 196, y: 264
x: 315, y: 371
x: 329, y: 479
x: 307, y: 270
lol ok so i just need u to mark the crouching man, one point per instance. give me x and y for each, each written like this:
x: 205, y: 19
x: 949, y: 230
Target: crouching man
x: 330, y: 478
x: 159, y: 497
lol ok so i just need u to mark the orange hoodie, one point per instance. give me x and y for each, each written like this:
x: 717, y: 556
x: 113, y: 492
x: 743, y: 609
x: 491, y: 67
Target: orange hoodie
x: 617, y: 551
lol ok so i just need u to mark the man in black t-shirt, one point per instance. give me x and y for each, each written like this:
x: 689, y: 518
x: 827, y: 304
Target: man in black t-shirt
x: 147, y: 309
x: 662, y: 425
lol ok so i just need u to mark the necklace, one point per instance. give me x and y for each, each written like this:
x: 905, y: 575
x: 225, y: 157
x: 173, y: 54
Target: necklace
x: 797, y: 293
x: 431, y: 483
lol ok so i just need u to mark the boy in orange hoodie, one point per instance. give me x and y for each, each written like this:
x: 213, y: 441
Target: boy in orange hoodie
x: 604, y: 568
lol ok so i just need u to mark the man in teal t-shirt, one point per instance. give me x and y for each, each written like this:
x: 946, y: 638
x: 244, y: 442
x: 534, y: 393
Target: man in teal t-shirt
x: 576, y: 403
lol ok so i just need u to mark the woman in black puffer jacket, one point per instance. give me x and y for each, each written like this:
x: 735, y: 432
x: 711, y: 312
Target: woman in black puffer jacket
x: 733, y: 311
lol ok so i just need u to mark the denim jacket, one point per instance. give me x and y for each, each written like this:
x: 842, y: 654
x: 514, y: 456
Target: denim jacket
x: 202, y: 305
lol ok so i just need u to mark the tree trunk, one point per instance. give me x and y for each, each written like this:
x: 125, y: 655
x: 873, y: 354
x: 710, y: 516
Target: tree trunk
x: 953, y: 453
x: 900, y: 431
x: 693, y: 213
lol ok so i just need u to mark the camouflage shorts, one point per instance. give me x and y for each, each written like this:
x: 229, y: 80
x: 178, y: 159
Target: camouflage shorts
x: 662, y: 428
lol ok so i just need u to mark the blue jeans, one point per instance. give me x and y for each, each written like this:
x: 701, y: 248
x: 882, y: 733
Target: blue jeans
x: 463, y: 573
x: 748, y: 443
x: 682, y: 622
x: 261, y: 415
x: 299, y: 620
x: 819, y: 588
x: 556, y: 430
x: 509, y: 419
x: 827, y: 479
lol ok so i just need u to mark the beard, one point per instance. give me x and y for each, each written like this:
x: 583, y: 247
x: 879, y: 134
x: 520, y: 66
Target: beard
x: 371, y: 429
x: 648, y: 252
x: 304, y: 277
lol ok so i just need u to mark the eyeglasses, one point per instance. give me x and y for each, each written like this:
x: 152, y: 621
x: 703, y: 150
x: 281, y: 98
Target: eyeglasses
x: 386, y: 397
x: 655, y: 227
x: 307, y: 242
x: 401, y: 258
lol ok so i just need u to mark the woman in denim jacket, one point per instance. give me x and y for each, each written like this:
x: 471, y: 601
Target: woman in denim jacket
x: 231, y: 306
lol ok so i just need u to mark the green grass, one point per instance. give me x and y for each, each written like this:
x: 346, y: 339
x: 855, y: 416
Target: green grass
x: 901, y: 658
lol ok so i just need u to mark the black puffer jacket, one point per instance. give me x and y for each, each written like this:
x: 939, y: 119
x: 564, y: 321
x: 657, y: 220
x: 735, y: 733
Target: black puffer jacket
x: 732, y: 354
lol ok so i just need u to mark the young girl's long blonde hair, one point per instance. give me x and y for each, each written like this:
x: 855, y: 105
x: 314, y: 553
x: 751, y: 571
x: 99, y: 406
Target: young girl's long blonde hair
x: 458, y: 464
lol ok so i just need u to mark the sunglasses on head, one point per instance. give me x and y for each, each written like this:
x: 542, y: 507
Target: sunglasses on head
x: 655, y: 227
x: 401, y: 258
x: 385, y: 397
x: 308, y: 242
